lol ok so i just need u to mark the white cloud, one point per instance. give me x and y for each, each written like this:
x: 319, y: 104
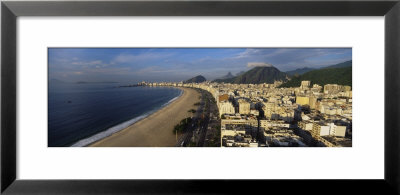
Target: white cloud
x: 96, y: 63
x: 82, y: 63
x: 153, y: 69
x: 248, y: 53
x: 258, y: 64
x: 123, y: 58
x: 130, y: 58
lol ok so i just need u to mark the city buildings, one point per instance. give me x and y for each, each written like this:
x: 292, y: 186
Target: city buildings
x: 262, y: 115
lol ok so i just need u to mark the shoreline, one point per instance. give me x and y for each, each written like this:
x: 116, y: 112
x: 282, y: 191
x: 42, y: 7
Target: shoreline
x: 116, y: 128
x: 155, y: 130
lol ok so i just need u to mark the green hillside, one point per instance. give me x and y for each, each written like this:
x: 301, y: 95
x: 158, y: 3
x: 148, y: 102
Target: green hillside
x: 196, y: 79
x: 341, y: 65
x: 341, y: 76
x: 299, y: 71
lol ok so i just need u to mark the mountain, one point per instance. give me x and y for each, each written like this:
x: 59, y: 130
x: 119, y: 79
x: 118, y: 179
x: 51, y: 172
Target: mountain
x: 196, y: 79
x: 341, y: 65
x: 240, y: 73
x: 227, y: 76
x: 299, y: 71
x: 257, y: 75
x: 341, y: 76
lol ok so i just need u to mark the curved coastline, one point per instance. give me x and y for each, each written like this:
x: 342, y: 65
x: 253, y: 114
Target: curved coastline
x: 154, y: 130
x: 119, y: 127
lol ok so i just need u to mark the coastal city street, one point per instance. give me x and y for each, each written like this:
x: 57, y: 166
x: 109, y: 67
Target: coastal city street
x: 195, y: 134
x: 185, y: 138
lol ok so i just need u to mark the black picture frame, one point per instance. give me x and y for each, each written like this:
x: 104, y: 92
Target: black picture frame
x: 11, y: 10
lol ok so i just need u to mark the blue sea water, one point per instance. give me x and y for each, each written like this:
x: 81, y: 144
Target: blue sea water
x: 79, y: 114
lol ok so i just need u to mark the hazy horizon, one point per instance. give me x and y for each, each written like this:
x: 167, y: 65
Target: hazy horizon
x: 178, y: 64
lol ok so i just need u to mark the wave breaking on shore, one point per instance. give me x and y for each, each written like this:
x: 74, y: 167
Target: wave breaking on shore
x: 101, y: 135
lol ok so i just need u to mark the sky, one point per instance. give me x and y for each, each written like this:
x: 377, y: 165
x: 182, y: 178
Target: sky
x: 179, y: 64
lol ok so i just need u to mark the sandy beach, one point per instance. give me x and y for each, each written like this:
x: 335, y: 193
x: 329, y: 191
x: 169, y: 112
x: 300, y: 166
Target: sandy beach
x: 157, y: 129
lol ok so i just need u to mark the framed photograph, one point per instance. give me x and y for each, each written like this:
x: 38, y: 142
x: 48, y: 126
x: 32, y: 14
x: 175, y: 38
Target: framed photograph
x: 158, y: 97
x: 140, y: 97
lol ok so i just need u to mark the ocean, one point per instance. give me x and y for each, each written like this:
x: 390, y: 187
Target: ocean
x: 80, y: 114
